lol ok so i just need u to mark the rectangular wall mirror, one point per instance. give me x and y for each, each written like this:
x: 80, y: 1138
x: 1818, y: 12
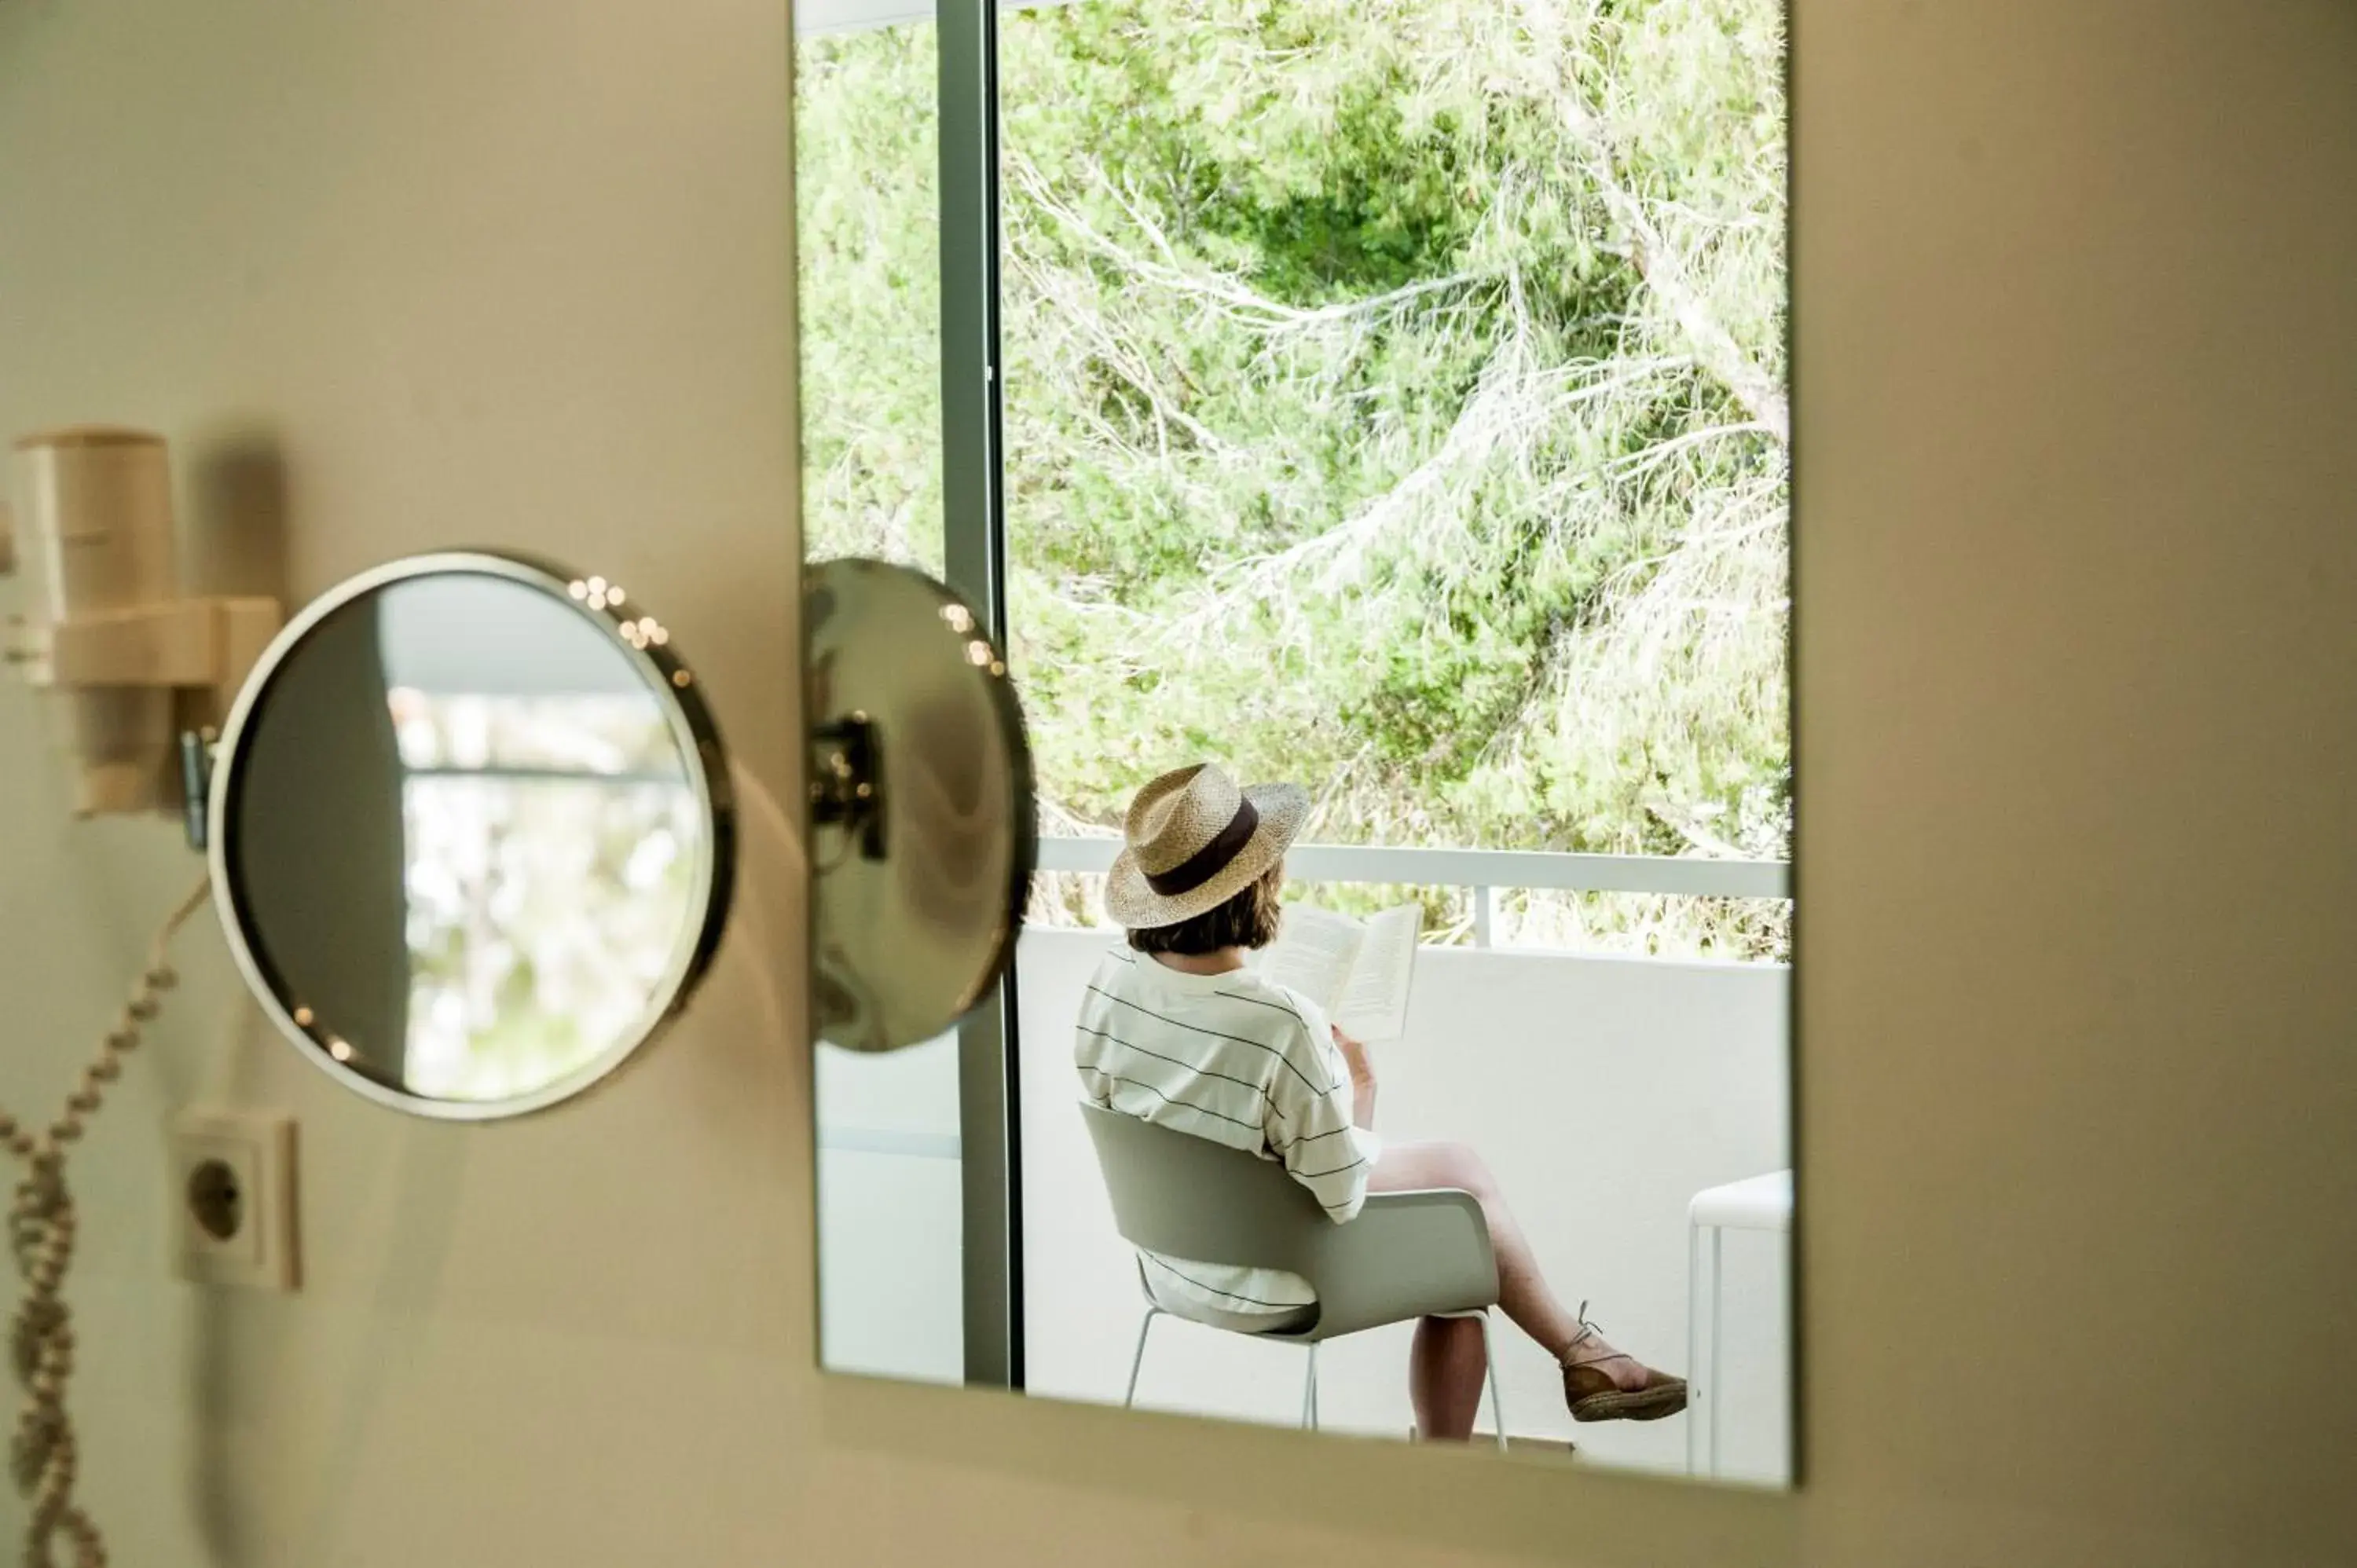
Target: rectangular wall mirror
x: 1386, y: 399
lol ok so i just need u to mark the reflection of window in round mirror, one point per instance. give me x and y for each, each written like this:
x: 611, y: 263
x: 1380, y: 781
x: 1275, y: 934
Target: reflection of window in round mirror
x: 470, y: 837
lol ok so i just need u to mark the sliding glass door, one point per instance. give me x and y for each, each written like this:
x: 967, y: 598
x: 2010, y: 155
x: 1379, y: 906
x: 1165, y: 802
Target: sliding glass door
x: 898, y: 230
x: 1386, y: 395
x: 1394, y: 404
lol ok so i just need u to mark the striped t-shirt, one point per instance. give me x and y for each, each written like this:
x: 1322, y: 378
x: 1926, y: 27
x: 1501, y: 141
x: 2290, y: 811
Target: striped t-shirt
x: 1243, y: 1063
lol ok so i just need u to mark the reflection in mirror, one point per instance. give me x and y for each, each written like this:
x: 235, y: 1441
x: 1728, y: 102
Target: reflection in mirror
x: 866, y: 150
x: 1395, y: 409
x: 921, y: 795
x: 470, y: 834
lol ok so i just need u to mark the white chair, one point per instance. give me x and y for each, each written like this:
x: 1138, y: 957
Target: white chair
x: 1406, y: 1255
x: 1761, y: 1203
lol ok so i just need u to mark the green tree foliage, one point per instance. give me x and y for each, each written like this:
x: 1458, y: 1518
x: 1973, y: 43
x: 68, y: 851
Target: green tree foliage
x: 1393, y: 403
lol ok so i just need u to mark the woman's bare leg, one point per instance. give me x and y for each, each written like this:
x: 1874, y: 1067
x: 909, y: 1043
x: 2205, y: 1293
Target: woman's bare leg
x: 1523, y: 1291
x: 1446, y: 1369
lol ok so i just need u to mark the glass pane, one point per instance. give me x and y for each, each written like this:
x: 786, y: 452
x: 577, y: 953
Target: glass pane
x: 867, y: 170
x: 1394, y: 404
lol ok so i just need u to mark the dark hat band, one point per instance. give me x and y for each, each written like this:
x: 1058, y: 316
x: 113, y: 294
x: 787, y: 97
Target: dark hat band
x: 1211, y: 859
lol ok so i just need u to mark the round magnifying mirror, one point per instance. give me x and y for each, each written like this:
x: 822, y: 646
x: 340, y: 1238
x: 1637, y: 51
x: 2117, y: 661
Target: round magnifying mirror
x: 923, y: 830
x: 470, y: 833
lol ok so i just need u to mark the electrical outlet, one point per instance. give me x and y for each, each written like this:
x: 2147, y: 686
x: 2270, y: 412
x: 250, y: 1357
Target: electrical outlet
x: 232, y: 1196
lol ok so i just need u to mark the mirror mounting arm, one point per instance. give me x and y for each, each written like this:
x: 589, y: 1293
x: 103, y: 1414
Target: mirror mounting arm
x: 197, y: 746
x: 847, y: 787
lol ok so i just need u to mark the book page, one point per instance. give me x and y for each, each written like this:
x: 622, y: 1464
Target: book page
x: 1372, y: 1005
x: 1313, y: 953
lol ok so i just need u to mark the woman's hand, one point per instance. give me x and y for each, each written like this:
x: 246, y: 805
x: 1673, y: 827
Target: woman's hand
x: 1354, y: 1054
x: 1362, y: 1079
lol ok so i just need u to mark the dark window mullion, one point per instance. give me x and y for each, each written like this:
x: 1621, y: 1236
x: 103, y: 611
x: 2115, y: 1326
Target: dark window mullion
x: 975, y: 561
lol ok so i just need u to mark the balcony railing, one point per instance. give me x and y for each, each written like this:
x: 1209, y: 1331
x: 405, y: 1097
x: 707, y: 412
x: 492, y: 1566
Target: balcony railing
x: 1482, y: 872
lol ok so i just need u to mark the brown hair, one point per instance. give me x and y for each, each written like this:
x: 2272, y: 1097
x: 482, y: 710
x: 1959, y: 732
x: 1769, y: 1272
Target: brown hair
x: 1247, y: 920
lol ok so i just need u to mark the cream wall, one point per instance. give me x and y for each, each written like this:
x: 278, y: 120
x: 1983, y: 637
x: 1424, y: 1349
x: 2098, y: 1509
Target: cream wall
x: 2078, y: 318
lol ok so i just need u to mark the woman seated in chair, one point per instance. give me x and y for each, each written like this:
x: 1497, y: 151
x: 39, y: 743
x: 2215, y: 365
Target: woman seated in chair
x: 1177, y: 1030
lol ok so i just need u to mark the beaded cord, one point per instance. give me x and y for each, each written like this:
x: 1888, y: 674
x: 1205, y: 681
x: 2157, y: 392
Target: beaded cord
x: 42, y: 1454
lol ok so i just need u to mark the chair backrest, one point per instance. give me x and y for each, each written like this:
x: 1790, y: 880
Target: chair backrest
x: 1191, y: 1197
x: 1408, y: 1254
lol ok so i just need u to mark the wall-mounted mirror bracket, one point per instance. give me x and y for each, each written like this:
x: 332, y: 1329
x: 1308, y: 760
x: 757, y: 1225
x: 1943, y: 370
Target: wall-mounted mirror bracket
x: 846, y: 784
x: 197, y: 782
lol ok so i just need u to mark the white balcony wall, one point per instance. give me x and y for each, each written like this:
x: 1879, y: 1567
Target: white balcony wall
x: 1604, y: 1091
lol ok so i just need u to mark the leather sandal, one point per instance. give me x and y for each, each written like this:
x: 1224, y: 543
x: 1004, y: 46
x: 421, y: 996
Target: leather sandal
x: 1592, y: 1394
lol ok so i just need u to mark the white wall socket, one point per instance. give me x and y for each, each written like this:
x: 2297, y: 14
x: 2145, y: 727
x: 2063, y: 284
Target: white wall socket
x: 232, y: 1198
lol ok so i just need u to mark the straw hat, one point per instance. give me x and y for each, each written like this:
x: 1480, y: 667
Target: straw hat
x: 1194, y: 841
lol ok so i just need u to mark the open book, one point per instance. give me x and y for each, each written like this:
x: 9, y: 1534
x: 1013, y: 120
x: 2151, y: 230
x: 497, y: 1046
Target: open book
x: 1359, y: 971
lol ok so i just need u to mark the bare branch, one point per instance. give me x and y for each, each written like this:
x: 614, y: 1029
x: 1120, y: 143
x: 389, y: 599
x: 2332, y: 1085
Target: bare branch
x: 1658, y: 262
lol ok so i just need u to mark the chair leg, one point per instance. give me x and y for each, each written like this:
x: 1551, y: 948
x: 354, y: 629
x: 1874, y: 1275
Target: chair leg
x: 1137, y: 1360
x: 1309, y: 1393
x: 1497, y: 1400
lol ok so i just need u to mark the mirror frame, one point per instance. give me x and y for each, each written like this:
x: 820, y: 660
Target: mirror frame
x: 704, y: 760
